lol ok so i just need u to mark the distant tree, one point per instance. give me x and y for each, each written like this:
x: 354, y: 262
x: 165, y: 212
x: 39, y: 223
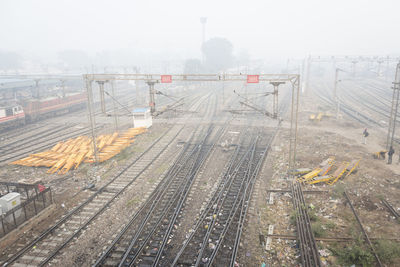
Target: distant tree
x: 218, y: 53
x: 10, y: 60
x: 192, y: 65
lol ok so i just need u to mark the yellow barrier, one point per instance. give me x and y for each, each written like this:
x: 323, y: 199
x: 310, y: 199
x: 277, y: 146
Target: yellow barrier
x: 309, y: 175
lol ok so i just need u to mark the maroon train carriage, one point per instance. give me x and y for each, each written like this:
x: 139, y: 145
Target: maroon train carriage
x: 49, y: 107
x: 11, y: 116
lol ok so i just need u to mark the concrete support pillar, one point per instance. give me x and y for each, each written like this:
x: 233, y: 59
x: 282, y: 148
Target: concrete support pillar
x: 152, y: 92
x: 91, y: 116
x: 37, y: 89
x: 102, y: 97
x: 275, y: 107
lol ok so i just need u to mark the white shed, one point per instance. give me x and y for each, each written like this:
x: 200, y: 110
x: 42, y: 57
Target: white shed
x: 142, y: 117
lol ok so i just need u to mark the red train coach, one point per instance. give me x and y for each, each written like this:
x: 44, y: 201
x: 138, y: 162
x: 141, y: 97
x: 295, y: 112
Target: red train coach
x: 37, y: 109
x: 11, y: 116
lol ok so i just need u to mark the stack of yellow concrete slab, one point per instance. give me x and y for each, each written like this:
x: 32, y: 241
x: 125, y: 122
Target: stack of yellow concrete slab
x: 71, y: 153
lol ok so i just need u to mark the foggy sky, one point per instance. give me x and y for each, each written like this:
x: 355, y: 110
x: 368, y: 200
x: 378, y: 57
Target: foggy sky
x: 264, y: 28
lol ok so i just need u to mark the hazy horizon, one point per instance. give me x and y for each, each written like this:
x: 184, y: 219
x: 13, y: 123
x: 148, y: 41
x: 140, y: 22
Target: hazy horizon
x: 171, y: 30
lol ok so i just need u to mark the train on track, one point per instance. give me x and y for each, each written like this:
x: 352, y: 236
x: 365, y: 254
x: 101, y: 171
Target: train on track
x: 31, y: 110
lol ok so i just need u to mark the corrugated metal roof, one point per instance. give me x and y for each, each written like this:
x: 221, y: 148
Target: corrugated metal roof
x: 18, y: 83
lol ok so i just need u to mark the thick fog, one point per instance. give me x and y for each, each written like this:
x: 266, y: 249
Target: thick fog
x: 124, y: 32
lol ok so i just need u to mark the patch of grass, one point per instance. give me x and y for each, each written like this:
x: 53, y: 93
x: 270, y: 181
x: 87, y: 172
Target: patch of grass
x: 330, y: 225
x: 124, y: 154
x: 132, y: 202
x: 292, y: 219
x: 355, y: 253
x: 162, y: 168
x: 387, y: 250
x: 318, y: 229
x: 338, y: 191
x: 137, y: 149
x: 313, y: 215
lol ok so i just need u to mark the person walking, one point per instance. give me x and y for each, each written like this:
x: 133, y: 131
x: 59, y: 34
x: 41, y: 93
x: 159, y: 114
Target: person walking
x: 365, y: 135
x: 390, y: 155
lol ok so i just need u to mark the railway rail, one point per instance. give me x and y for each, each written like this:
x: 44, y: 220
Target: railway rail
x: 44, y: 248
x: 21, y: 148
x: 143, y: 240
x: 47, y: 133
x: 362, y: 229
x: 391, y: 209
x: 221, y: 222
x: 10, y: 134
x: 50, y: 243
x: 308, y: 247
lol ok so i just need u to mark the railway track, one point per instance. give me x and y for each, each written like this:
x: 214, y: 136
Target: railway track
x: 47, y: 133
x: 44, y: 248
x: 367, y: 239
x: 216, y: 235
x: 21, y: 148
x: 143, y: 240
x: 308, y: 247
x: 391, y: 209
x: 9, y: 134
x: 50, y: 243
x: 347, y: 109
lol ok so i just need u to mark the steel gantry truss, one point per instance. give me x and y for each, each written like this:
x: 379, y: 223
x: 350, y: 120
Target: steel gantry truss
x: 152, y: 79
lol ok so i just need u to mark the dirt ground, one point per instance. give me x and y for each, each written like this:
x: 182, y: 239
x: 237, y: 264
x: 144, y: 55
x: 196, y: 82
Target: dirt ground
x: 317, y: 141
x: 332, y: 217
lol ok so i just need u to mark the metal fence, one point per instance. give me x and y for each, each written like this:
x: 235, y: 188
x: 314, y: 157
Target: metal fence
x: 26, y: 210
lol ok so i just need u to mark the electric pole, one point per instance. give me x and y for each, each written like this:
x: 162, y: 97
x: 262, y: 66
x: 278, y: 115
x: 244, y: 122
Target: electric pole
x: 395, y: 105
x: 335, y: 91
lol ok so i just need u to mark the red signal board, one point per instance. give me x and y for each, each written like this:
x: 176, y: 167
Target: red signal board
x: 166, y: 78
x: 253, y: 78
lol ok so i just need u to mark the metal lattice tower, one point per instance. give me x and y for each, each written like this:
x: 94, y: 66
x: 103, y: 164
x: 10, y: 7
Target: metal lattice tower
x: 395, y: 105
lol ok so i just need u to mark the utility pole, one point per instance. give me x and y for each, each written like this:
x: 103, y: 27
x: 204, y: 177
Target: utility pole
x: 395, y: 105
x: 152, y: 92
x: 335, y: 92
x: 308, y: 73
x: 275, y: 102
x: 37, y: 88
x: 102, y: 96
x: 63, y: 87
x: 114, y: 107
x: 293, y: 122
x: 91, y: 117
